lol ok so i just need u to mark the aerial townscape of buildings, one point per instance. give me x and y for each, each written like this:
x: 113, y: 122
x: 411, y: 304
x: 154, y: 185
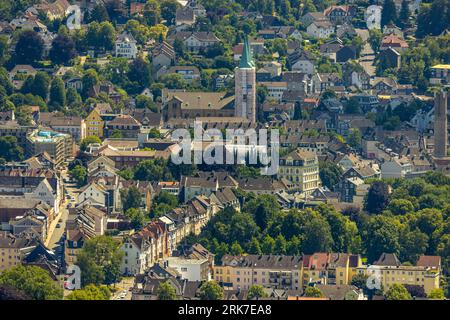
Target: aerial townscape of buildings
x: 93, y: 205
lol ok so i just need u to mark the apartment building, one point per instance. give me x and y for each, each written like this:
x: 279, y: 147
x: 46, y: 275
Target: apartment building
x: 301, y: 168
x: 270, y: 271
x: 388, y: 270
x: 13, y: 249
x: 58, y: 145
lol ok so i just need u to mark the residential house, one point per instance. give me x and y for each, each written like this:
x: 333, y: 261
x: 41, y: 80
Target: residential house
x: 191, y: 269
x: 195, y: 41
x: 128, y: 126
x: 301, y: 168
x: 390, y: 58
x: 275, y: 89
x: 440, y: 74
x: 311, y: 17
x: 393, y: 41
x: 21, y: 72
x: 55, y: 10
x: 94, y: 122
x: 144, y: 248
x: 188, y: 73
x: 13, y: 250
x: 163, y: 55
x: 340, y: 14
x: 320, y: 29
x: 302, y: 61
x: 396, y: 167
x: 126, y: 46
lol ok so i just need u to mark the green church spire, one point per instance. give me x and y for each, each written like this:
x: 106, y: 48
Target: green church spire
x: 246, y: 58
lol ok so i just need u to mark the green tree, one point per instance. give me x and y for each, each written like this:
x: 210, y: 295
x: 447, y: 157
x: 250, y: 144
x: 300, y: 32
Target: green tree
x: 57, y: 94
x: 437, y: 294
x: 388, y: 13
x: 254, y: 247
x: 377, y: 197
x: 330, y: 173
x: 354, y: 138
x: 90, y: 292
x: 236, y: 249
x: 41, y: 84
x: 34, y: 281
x: 412, y: 245
x: 404, y: 15
x: 63, y: 49
x: 99, y: 13
x: 106, y: 36
x: 211, y: 291
x: 163, y: 203
x: 381, y: 235
x: 264, y: 209
x: 398, y: 292
x: 131, y: 198
x: 375, y: 36
x: 79, y: 174
x: 140, y: 72
x: 166, y: 291
x: 256, y: 291
x: 137, y: 218
x: 168, y: 10
x: 100, y: 260
x: 87, y: 141
x: 400, y: 206
x: 316, y: 234
x: 29, y: 47
x: 89, y: 79
x: 4, y: 49
x: 152, y: 170
x: 174, y: 81
x: 352, y: 106
x: 268, y: 245
x: 152, y: 12
x: 10, y: 149
x: 313, y: 292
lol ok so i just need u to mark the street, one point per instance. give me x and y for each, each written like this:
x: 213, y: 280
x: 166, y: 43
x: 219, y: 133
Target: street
x: 367, y: 54
x: 123, y: 289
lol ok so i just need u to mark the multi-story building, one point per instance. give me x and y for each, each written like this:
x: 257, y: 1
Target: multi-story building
x: 12, y: 128
x: 58, y: 145
x: 270, y: 271
x: 13, y: 249
x: 144, y: 248
x: 191, y: 269
x: 388, y: 270
x: 75, y: 126
x: 94, y: 121
x: 301, y: 168
x: 126, y: 46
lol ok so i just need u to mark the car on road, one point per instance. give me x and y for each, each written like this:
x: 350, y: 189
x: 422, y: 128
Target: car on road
x: 60, y: 220
x: 58, y: 225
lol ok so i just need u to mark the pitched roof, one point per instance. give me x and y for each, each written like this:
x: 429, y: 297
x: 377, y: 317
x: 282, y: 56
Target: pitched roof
x: 263, y: 261
x: 388, y: 259
x: 246, y: 58
x: 429, y: 261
